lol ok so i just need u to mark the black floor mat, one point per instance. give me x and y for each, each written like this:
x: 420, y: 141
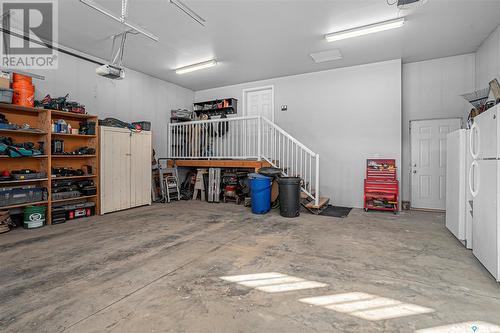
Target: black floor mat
x: 335, y: 211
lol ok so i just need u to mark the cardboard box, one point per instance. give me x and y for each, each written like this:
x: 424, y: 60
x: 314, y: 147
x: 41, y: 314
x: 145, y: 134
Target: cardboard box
x: 4, y: 83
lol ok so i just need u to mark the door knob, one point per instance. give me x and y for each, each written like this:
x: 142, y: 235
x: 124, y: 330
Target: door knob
x: 414, y: 171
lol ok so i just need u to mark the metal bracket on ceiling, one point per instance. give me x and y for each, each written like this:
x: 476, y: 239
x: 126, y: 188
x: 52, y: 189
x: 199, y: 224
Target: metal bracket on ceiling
x: 118, y: 48
x: 123, y: 18
x: 188, y: 11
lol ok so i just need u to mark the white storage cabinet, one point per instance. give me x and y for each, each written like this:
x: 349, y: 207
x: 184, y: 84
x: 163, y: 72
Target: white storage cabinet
x: 125, y: 169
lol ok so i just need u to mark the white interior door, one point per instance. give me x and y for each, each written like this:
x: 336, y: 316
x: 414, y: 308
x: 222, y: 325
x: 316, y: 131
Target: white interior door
x: 256, y: 102
x: 428, y: 162
x: 259, y: 102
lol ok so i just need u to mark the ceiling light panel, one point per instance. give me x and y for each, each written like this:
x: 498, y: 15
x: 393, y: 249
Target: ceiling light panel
x: 195, y: 67
x: 324, y: 56
x: 365, y: 30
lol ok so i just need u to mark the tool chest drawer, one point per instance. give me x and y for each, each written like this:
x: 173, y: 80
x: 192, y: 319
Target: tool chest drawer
x: 381, y: 187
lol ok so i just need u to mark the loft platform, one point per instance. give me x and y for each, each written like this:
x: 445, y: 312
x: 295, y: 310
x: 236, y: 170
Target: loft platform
x: 243, y: 164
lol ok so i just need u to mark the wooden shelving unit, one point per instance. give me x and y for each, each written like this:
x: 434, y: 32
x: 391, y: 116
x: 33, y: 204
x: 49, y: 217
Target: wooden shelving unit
x: 42, y: 120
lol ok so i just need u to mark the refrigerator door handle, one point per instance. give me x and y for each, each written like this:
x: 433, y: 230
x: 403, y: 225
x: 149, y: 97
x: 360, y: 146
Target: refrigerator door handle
x: 474, y: 191
x: 474, y: 132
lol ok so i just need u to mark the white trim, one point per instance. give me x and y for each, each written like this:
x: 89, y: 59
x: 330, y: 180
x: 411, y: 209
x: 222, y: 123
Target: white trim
x: 245, y: 91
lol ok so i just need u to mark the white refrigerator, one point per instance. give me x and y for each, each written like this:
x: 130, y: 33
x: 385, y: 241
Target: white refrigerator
x: 458, y: 197
x: 484, y: 185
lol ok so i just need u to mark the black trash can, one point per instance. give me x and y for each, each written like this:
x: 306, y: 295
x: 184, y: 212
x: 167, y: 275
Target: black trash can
x: 289, y: 196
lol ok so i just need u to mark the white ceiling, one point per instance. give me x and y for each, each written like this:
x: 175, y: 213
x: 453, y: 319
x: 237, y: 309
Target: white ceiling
x: 255, y: 40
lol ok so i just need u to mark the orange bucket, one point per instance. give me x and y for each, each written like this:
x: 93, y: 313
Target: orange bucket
x: 22, y: 85
x: 21, y: 78
x: 24, y: 97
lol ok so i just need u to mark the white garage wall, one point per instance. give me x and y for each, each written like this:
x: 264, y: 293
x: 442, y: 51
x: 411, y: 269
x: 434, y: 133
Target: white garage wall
x: 488, y: 60
x: 346, y: 115
x: 137, y: 97
x: 432, y: 89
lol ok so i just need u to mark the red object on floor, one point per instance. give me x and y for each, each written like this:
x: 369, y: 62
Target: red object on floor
x: 381, y: 185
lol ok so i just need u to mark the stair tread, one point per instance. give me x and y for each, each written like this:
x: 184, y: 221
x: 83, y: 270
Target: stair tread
x: 322, y: 202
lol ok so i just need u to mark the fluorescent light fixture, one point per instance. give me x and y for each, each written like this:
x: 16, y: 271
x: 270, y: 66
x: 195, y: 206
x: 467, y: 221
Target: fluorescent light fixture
x: 325, y: 56
x: 195, y: 67
x: 368, y: 29
x: 122, y: 20
x: 191, y: 13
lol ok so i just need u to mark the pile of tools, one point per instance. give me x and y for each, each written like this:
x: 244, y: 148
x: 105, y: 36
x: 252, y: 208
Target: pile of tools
x: 61, y: 104
x: 24, y: 149
x: 5, y: 124
x: 57, y: 147
x: 22, y: 174
x: 67, y: 189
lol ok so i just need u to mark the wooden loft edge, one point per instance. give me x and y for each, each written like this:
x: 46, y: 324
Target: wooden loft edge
x: 220, y: 163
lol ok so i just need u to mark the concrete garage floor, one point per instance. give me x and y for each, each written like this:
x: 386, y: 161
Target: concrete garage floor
x: 158, y: 269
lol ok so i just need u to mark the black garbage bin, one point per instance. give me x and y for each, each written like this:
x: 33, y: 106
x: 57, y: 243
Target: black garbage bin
x: 289, y: 196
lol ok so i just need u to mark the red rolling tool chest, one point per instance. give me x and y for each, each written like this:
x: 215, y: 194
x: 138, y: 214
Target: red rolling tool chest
x: 381, y: 185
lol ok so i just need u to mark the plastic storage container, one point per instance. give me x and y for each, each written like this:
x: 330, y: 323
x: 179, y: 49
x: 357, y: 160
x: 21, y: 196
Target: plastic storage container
x: 16, y: 196
x: 145, y: 125
x: 289, y: 196
x: 24, y: 90
x: 6, y: 95
x: 34, y: 217
x: 260, y: 191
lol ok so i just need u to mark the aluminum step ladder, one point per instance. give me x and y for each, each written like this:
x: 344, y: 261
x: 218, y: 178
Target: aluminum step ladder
x: 169, y: 181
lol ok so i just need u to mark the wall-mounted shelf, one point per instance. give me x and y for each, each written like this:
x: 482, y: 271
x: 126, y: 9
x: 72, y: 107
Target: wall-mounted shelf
x: 73, y: 177
x: 24, y: 205
x: 24, y: 181
x: 73, y: 156
x: 64, y: 114
x: 73, y: 135
x: 217, y: 107
x: 23, y: 157
x: 75, y: 198
x: 23, y: 132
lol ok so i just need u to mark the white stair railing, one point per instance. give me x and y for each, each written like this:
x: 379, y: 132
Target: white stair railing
x: 246, y: 138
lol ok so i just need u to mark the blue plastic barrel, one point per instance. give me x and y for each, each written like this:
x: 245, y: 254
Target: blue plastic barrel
x: 260, y: 191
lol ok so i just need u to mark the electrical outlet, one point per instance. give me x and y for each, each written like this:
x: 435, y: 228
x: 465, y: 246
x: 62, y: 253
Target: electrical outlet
x: 284, y: 108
